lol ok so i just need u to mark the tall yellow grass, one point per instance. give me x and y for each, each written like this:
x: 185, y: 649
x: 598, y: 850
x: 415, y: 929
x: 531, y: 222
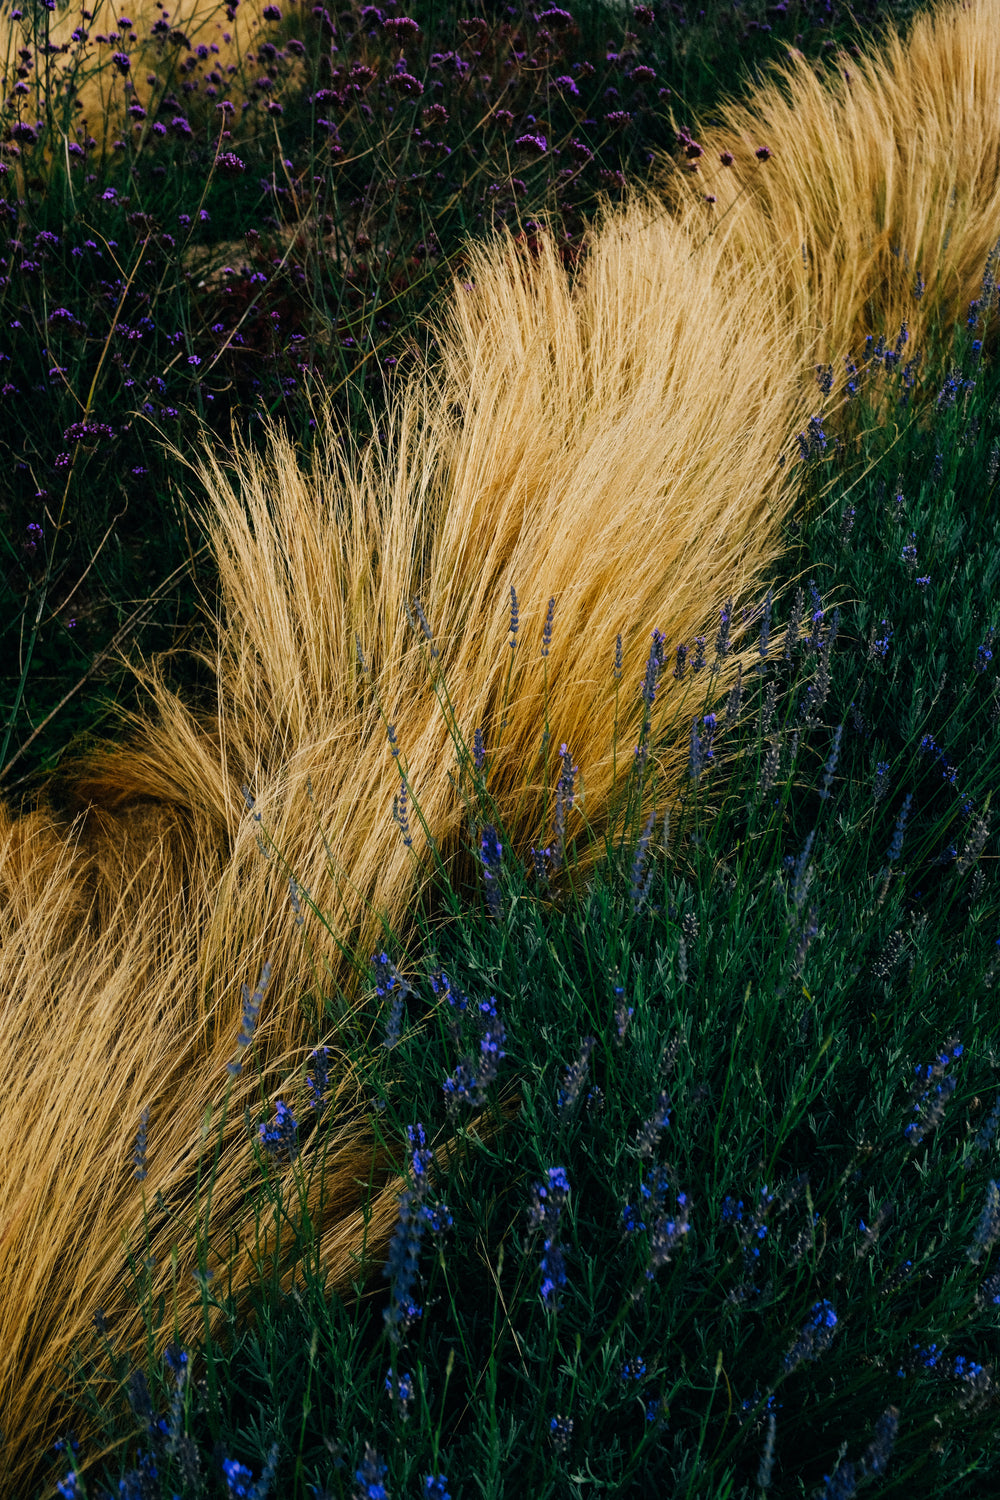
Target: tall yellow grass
x: 881, y: 169
x: 614, y: 445
x: 617, y: 450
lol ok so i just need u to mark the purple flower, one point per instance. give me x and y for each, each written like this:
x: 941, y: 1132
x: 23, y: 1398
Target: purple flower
x: 817, y: 1334
x: 228, y: 162
x: 248, y: 1021
x: 536, y: 144
x: 575, y: 1077
x: 281, y: 1138
x: 139, y: 1152
x: 271, y: 13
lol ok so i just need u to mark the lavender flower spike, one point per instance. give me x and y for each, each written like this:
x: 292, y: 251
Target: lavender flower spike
x: 248, y: 1021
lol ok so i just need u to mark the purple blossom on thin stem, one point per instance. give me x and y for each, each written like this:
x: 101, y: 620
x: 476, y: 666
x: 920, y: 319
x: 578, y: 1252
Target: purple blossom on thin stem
x: 547, y: 1201
x: 765, y: 634
x: 318, y: 1081
x: 816, y: 1335
x: 931, y: 1092
x: 389, y: 981
x: 895, y: 848
x: 248, y: 1019
x: 491, y: 853
x: 650, y: 1131
x: 281, y: 1138
x: 139, y: 1153
x: 642, y: 880
x: 475, y: 1072
x: 547, y: 627
x: 401, y: 813
x: 415, y: 1216
x: 574, y: 1078
x: 988, y: 1229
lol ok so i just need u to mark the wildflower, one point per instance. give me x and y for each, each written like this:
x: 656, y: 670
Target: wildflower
x: 649, y: 1132
x: 931, y: 1092
x: 801, y: 873
x: 983, y: 1138
x: 895, y: 849
x: 988, y: 1229
x: 725, y: 621
x: 474, y: 1074
x: 560, y: 1433
x: 491, y: 851
x: 766, y: 1468
x: 617, y: 669
x: 815, y: 1336
x: 400, y: 813
x: 879, y: 1450
x: 880, y: 786
x: 699, y: 653
x: 370, y: 1477
x: 654, y: 663
x: 293, y: 896
x: 478, y: 750
x: 389, y: 981
x: 575, y: 1077
x: 514, y: 618
x: 763, y: 153
x: 547, y: 628
x: 973, y: 846
x: 237, y: 1476
x: 419, y: 621
x: 794, y: 623
x: 122, y: 61
x: 404, y: 1247
x: 139, y: 1154
x: 281, y: 1138
x: 436, y: 1487
x: 248, y: 1020
x: 765, y: 634
x: 831, y: 764
x: 735, y: 698
x: 318, y: 1081
x: 665, y: 1234
x: 633, y: 1369
x: 623, y: 1013
x: 547, y: 1202
x: 641, y: 887
x: 271, y: 13
x: 400, y: 1390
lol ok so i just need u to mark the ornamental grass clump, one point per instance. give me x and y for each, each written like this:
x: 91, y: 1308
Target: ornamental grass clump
x: 876, y: 204
x: 366, y: 610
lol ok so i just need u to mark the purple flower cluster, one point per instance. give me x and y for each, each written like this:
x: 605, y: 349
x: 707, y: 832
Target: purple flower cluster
x: 933, y: 1088
x: 548, y: 1199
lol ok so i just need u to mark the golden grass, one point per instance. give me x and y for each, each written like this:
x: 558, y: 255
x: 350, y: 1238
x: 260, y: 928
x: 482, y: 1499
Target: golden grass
x: 618, y: 450
x: 613, y: 445
x: 881, y: 169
